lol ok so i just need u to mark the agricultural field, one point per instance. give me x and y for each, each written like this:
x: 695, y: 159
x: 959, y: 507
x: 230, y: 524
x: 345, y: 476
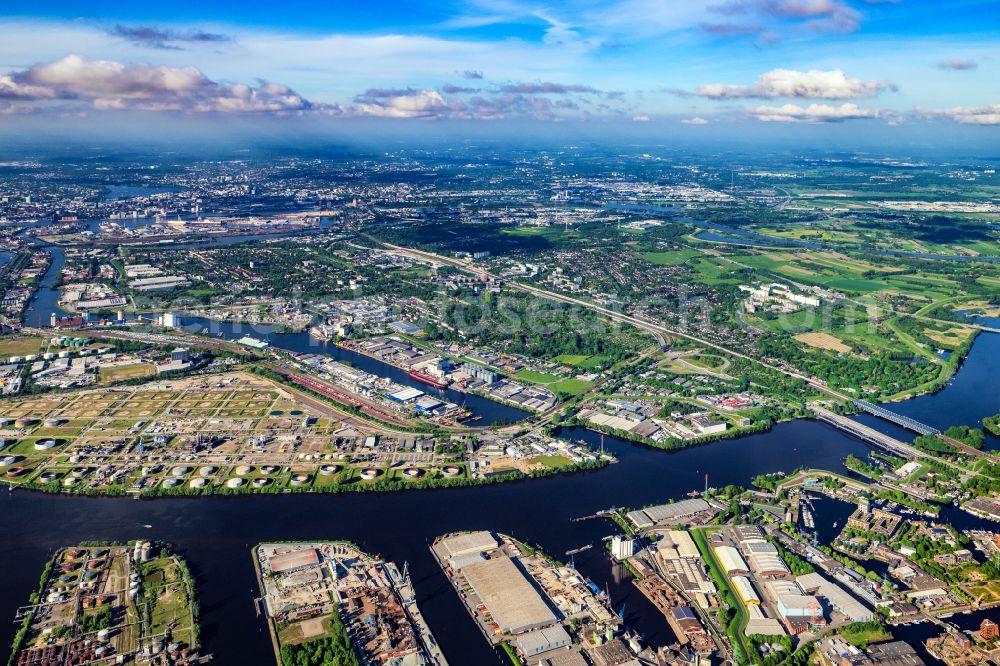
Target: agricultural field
x: 823, y: 341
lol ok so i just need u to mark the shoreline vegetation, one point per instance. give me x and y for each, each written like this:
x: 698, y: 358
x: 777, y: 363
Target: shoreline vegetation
x: 381, y: 485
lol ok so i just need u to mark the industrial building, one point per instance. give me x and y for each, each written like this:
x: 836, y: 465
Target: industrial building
x: 677, y: 544
x: 744, y: 590
x: 479, y: 372
x: 668, y: 513
x: 732, y: 563
x: 622, y: 547
x: 464, y: 544
x: 764, y: 559
x: 836, y: 596
x: 760, y: 625
x: 538, y: 641
x: 799, y: 605
x: 513, y: 602
x: 294, y: 560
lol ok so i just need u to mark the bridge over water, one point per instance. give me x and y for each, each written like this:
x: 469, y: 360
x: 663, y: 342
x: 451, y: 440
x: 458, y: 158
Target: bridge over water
x: 866, y: 433
x: 898, y: 419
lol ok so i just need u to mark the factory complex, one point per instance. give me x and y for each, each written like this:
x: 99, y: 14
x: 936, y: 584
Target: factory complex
x: 308, y: 589
x: 110, y: 604
x: 524, y: 602
x: 777, y: 602
x: 239, y: 432
x: 694, y: 511
x: 441, y: 371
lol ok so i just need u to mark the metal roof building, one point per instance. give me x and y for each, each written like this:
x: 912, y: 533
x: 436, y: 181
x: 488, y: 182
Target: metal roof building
x: 799, y: 605
x: 731, y: 560
x: 836, y: 596
x: 677, y: 544
x: 514, y: 603
x: 542, y: 640
x: 464, y: 544
x: 744, y: 589
x: 762, y: 625
x: 666, y: 513
x: 768, y: 564
x: 294, y: 560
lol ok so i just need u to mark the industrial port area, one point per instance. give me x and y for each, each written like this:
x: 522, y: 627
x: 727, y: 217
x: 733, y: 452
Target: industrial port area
x: 536, y: 609
x: 111, y: 604
x: 240, y: 432
x: 335, y: 593
x: 448, y: 361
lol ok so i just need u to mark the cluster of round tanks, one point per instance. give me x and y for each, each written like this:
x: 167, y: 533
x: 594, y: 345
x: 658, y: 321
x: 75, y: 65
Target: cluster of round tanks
x: 142, y: 551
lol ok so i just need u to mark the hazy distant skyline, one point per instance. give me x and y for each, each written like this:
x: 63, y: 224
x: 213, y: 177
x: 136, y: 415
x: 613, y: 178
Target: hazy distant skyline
x: 693, y: 65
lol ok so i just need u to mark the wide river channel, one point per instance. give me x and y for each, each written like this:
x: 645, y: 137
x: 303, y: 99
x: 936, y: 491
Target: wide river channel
x: 215, y: 534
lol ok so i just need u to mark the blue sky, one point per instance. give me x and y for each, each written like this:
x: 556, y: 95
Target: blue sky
x: 691, y: 63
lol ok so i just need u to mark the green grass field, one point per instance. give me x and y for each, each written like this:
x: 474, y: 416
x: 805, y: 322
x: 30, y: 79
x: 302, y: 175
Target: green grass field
x: 571, y: 359
x: 671, y: 257
x: 571, y: 386
x: 22, y: 346
x: 123, y: 372
x: 535, y: 377
x: 553, y: 462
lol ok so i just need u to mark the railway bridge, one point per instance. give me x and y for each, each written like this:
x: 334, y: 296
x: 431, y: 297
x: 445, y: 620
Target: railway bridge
x: 898, y: 419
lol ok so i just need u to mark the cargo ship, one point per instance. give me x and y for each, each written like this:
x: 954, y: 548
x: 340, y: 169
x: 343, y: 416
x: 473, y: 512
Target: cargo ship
x: 427, y: 379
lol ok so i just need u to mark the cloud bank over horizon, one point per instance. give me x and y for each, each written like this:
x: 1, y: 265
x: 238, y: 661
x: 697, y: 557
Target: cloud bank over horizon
x: 617, y: 61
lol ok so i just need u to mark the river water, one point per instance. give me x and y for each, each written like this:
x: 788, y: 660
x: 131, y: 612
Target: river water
x: 216, y: 534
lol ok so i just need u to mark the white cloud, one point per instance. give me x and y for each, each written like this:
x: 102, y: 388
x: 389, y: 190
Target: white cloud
x: 814, y: 84
x: 697, y: 120
x: 640, y: 119
x: 957, y: 64
x: 404, y: 104
x: 10, y: 89
x: 987, y: 114
x: 108, y: 84
x: 814, y: 113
